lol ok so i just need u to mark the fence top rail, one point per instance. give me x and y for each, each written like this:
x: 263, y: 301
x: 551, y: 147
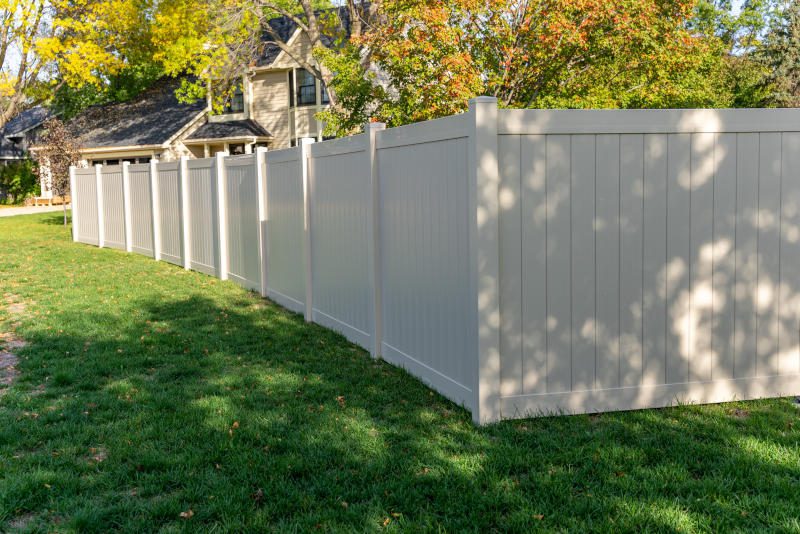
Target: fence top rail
x: 84, y: 171
x: 338, y: 147
x: 283, y: 155
x: 644, y: 121
x: 240, y: 160
x: 139, y: 167
x: 201, y: 163
x: 111, y: 169
x: 453, y: 127
x: 167, y: 166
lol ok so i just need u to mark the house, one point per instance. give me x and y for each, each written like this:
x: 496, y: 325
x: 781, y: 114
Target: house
x: 20, y: 133
x: 274, y: 106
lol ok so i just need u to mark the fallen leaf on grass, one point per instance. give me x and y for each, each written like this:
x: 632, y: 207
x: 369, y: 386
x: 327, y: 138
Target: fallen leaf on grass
x: 538, y: 517
x: 187, y: 514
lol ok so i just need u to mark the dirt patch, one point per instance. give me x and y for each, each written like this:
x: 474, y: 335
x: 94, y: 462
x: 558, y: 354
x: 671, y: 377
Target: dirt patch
x: 740, y: 414
x: 9, y: 345
x: 21, y: 523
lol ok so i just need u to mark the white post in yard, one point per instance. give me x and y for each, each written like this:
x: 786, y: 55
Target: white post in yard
x: 126, y: 205
x: 222, y: 215
x: 186, y: 228
x: 305, y: 143
x: 101, y: 233
x: 485, y: 270
x: 372, y: 129
x: 261, y: 188
x: 155, y: 209
x: 73, y: 195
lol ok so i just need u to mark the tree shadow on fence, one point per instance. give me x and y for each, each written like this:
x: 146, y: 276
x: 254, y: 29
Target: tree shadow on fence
x: 242, y: 417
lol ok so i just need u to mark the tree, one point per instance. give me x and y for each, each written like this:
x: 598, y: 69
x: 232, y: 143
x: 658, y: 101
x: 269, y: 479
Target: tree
x: 780, y: 53
x: 218, y: 39
x: 58, y: 151
x: 18, y: 180
x: 536, y: 53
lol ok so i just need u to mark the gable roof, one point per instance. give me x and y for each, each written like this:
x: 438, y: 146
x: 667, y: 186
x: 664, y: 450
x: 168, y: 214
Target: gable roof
x: 285, y: 28
x: 28, y: 119
x: 152, y: 118
x: 230, y: 129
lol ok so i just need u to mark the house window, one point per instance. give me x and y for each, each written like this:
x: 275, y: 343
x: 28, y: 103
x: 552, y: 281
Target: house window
x: 236, y: 150
x: 323, y: 91
x: 306, y: 88
x: 235, y: 103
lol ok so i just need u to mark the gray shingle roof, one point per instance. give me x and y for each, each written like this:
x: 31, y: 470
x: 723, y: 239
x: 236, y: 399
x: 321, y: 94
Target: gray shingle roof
x: 230, y: 129
x: 30, y: 118
x: 152, y: 118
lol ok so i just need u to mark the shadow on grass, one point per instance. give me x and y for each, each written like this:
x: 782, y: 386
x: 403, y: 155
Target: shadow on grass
x: 56, y: 218
x: 254, y: 421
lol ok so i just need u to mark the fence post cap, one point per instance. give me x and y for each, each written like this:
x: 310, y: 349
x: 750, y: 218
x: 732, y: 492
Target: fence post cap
x: 374, y: 126
x: 483, y: 100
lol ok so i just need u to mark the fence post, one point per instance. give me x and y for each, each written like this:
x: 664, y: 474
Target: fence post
x: 376, y: 281
x: 222, y: 215
x: 73, y: 194
x: 101, y: 233
x: 186, y: 234
x: 261, y: 188
x: 126, y: 205
x: 485, y: 270
x: 155, y: 204
x: 305, y: 144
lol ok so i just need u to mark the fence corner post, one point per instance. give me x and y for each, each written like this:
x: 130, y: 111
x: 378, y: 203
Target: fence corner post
x: 101, y: 233
x: 222, y: 214
x: 186, y: 229
x: 305, y: 145
x: 485, y: 268
x: 155, y: 203
x: 126, y: 206
x: 261, y: 188
x: 371, y: 129
x: 73, y: 194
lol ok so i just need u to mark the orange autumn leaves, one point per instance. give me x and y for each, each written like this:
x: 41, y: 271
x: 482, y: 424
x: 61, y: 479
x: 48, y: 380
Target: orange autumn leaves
x: 540, y: 53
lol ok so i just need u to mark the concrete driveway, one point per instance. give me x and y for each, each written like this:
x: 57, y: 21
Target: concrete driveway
x: 27, y: 210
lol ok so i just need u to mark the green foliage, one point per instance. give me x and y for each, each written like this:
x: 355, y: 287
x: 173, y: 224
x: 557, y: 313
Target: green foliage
x: 18, y: 180
x: 780, y: 54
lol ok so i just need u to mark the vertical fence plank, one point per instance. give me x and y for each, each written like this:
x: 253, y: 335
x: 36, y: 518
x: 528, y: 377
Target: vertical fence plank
x: 98, y: 173
x: 607, y: 296
x: 372, y: 130
x: 73, y: 195
x: 582, y: 193
x: 222, y: 215
x: 789, y: 335
x: 186, y: 222
x: 261, y: 188
x: 307, y: 200
x: 155, y: 209
x: 654, y: 312
x: 746, y: 255
x: 126, y: 206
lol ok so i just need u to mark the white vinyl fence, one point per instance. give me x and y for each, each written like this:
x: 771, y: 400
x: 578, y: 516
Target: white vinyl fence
x: 520, y: 262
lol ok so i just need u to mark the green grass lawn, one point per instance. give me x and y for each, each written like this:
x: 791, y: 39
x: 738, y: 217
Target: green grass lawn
x: 147, y: 392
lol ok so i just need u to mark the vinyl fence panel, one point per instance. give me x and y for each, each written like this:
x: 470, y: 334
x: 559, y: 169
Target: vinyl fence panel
x: 286, y: 255
x: 668, y: 238
x: 141, y: 209
x: 113, y: 207
x: 85, y: 202
x: 203, y: 216
x: 428, y: 323
x: 243, y: 221
x: 169, y: 200
x: 341, y: 223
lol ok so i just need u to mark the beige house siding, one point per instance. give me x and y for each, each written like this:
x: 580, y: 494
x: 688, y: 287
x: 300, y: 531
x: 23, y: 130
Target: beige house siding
x: 270, y: 105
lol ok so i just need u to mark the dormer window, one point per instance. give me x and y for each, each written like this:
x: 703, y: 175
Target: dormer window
x: 305, y: 91
x: 235, y: 103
